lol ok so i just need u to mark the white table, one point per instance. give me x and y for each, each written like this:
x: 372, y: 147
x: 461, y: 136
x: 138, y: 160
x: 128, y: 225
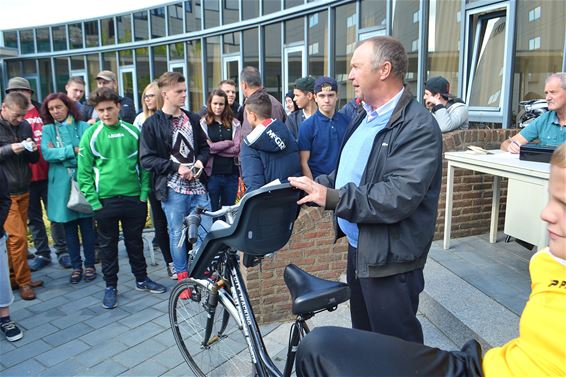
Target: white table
x: 527, y: 193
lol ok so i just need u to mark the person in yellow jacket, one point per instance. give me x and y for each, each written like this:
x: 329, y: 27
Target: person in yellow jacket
x: 540, y: 349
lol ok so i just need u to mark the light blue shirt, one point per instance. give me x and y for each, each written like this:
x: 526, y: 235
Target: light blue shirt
x: 356, y: 151
x: 547, y: 129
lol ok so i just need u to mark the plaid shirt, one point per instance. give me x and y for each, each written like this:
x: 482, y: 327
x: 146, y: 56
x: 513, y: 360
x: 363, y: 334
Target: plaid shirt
x: 181, y: 125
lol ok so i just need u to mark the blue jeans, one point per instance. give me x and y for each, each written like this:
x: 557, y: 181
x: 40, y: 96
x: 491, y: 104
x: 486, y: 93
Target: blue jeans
x: 86, y: 226
x: 176, y: 207
x: 222, y: 189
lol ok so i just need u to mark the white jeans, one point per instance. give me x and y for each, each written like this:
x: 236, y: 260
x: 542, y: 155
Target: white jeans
x: 6, y: 295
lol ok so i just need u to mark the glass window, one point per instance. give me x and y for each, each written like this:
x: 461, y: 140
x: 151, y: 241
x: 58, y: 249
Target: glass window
x: 271, y: 6
x: 14, y: 68
x: 141, y: 26
x: 77, y: 63
x: 486, y: 78
x: 157, y: 16
x: 175, y: 14
x: 159, y: 60
x: 344, y: 45
x: 142, y: 70
x: 59, y: 36
x: 92, y: 67
x: 192, y: 15
x: 107, y: 31
x: 26, y: 42
x: 295, y: 30
x: 211, y: 14
x: 126, y: 57
x: 232, y: 43
x: 230, y: 11
x: 61, y: 73
x: 109, y: 61
x: 177, y: 51
x: 91, y: 33
x: 293, y: 3
x: 250, y: 9
x: 76, y: 36
x: 43, y: 39
x: 195, y: 75
x: 213, y: 66
x: 46, y: 78
x: 317, y: 44
x: 537, y: 20
x: 28, y: 67
x: 11, y: 39
x: 373, y: 13
x: 124, y: 26
x: 443, y: 53
x: 407, y: 32
x: 250, y: 47
x: 273, y: 81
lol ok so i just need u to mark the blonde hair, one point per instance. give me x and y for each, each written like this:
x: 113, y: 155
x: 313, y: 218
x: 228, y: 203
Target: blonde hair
x: 153, y: 86
x: 559, y: 156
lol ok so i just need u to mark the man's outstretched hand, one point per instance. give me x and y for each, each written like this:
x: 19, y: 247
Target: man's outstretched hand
x: 316, y: 193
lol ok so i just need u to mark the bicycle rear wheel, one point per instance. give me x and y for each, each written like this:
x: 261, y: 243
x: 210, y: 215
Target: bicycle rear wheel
x: 226, y: 353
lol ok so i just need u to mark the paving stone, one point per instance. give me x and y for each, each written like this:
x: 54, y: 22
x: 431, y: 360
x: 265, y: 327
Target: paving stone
x: 137, y: 354
x: 87, y: 289
x: 70, y: 367
x: 36, y: 333
x: 165, y: 337
x: 41, y: 318
x: 107, y: 316
x: 29, y: 368
x: 141, y: 333
x: 137, y: 301
x: 24, y: 353
x: 82, y: 315
x: 107, y: 333
x: 42, y: 306
x: 179, y: 371
x: 102, y: 352
x: 68, y: 334
x: 62, y: 353
x: 146, y: 369
x: 82, y: 303
x: 169, y: 358
x: 106, y: 368
x: 141, y: 317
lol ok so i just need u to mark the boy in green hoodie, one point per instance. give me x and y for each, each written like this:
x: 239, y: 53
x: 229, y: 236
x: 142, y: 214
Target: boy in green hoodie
x: 116, y: 186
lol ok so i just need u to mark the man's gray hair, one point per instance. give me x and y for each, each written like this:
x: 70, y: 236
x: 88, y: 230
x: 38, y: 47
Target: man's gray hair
x: 388, y: 49
x: 558, y: 75
x: 251, y: 76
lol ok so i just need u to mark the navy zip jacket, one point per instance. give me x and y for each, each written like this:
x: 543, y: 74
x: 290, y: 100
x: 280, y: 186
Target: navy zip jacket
x: 268, y: 153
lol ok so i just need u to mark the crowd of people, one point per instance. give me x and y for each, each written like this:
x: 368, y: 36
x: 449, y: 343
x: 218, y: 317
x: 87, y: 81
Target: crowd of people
x: 384, y: 193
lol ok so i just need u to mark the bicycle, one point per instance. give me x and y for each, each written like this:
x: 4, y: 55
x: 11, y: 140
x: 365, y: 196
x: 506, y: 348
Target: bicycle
x: 215, y: 327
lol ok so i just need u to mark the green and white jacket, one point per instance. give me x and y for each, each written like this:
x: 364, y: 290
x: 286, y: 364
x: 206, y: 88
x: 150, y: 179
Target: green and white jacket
x: 108, y: 163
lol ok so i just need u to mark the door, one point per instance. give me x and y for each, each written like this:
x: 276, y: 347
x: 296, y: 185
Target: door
x: 128, y: 84
x: 231, y: 68
x: 181, y: 67
x: 294, y: 66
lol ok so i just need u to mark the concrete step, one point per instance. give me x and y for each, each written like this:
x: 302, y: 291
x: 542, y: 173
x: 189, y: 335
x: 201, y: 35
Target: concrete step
x: 476, y: 290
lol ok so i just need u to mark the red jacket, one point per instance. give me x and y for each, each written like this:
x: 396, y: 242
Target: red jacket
x: 40, y: 168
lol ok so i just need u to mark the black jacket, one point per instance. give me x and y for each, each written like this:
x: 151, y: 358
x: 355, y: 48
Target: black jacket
x: 293, y: 122
x: 5, y: 203
x: 155, y: 149
x: 15, y: 166
x: 267, y: 154
x: 395, y: 205
x: 127, y: 110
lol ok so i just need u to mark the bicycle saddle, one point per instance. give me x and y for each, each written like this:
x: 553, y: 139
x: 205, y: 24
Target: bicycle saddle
x: 310, y: 293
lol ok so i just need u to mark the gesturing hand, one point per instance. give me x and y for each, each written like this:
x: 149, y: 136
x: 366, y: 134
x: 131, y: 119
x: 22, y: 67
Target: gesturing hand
x: 316, y: 193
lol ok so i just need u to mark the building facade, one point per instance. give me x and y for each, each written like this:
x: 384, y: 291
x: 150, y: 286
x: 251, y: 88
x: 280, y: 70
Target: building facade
x: 494, y: 53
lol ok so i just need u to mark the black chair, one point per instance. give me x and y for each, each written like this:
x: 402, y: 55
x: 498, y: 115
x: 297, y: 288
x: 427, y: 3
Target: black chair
x: 263, y: 225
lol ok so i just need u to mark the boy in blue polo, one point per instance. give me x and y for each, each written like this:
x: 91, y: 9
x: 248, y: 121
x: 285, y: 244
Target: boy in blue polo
x: 320, y: 136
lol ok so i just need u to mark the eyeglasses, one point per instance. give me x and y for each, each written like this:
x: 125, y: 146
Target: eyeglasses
x: 148, y: 96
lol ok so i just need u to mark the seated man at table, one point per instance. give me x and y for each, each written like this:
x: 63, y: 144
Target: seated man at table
x: 548, y: 128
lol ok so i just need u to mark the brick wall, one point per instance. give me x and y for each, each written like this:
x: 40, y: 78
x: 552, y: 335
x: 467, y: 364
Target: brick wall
x: 311, y: 246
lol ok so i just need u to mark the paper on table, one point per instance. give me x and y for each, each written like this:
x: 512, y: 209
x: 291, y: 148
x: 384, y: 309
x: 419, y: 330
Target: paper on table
x: 272, y: 183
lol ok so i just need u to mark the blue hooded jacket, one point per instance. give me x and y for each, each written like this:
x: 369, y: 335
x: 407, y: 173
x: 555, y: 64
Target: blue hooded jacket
x: 268, y: 153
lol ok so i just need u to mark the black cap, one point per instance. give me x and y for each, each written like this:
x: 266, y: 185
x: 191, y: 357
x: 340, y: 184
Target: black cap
x: 306, y: 84
x: 325, y: 83
x: 438, y: 84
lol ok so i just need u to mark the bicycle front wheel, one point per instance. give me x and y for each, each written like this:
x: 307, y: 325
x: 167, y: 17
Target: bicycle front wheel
x: 226, y: 353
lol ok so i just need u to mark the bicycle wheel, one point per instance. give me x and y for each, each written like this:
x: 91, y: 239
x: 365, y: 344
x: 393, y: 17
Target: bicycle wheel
x: 226, y: 353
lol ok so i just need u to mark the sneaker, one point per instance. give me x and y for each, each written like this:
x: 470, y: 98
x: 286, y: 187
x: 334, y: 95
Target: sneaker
x: 38, y: 263
x: 187, y: 293
x: 171, y: 271
x: 11, y: 331
x: 151, y: 286
x: 110, y: 300
x: 64, y: 260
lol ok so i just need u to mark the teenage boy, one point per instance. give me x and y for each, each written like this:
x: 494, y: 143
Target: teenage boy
x: 321, y: 135
x: 269, y: 152
x: 304, y: 97
x: 174, y: 149
x: 116, y: 186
